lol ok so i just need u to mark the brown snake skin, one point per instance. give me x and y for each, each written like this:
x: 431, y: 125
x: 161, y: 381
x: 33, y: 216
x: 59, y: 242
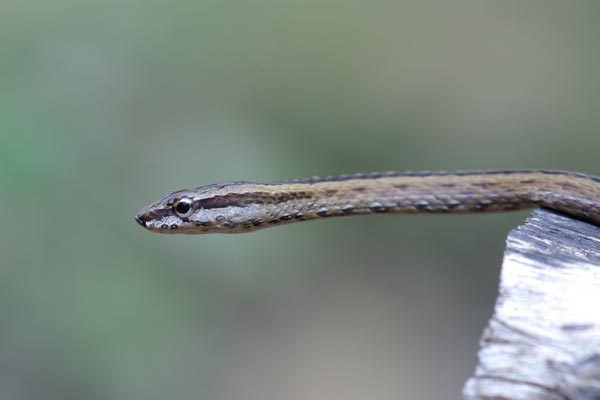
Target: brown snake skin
x: 235, y: 207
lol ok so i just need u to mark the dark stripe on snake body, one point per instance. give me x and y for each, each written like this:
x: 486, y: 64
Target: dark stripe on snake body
x: 249, y: 198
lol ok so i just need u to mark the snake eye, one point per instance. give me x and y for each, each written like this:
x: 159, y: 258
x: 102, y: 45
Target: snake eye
x: 183, y: 208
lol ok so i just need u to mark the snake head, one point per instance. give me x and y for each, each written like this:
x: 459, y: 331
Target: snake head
x: 217, y: 208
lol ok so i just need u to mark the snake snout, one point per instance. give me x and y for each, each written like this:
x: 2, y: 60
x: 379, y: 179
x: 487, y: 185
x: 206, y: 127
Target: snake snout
x: 140, y: 220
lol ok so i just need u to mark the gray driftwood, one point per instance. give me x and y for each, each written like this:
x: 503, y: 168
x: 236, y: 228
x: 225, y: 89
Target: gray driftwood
x: 543, y: 341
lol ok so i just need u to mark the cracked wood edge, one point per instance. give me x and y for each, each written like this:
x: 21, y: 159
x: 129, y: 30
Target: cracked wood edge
x: 543, y: 341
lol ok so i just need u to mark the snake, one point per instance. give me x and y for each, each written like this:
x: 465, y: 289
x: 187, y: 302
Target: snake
x: 237, y: 207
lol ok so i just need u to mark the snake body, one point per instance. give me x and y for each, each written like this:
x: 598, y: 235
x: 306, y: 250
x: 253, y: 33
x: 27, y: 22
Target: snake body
x: 235, y: 207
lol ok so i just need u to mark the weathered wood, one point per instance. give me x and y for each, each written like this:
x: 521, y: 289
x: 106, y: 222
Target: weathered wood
x: 543, y: 341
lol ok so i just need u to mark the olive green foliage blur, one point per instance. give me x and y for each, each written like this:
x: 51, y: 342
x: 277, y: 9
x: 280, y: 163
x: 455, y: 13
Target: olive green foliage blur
x: 105, y: 106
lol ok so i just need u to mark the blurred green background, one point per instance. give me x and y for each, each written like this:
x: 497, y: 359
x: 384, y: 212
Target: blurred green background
x: 105, y: 106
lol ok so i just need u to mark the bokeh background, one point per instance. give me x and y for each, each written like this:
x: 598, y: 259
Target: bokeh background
x: 107, y: 105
